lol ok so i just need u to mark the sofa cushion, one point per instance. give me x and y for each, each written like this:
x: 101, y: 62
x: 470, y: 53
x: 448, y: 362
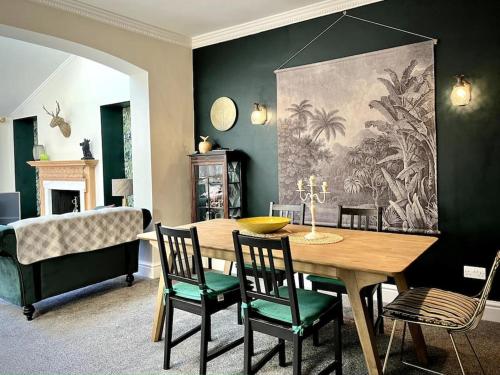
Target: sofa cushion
x: 10, y: 285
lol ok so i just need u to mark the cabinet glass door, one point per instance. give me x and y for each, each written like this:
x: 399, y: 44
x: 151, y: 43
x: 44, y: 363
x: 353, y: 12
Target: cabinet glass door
x: 209, y: 191
x: 234, y: 187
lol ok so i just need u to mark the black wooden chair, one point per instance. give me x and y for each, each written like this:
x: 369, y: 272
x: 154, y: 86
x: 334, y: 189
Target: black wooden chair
x: 202, y: 293
x: 296, y: 214
x: 355, y: 221
x: 284, y: 312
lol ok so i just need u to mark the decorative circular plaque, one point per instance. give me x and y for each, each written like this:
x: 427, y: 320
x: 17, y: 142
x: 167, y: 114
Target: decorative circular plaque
x: 223, y: 114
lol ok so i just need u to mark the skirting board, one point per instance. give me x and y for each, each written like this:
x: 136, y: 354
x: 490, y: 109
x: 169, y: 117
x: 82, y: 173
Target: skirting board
x: 151, y: 271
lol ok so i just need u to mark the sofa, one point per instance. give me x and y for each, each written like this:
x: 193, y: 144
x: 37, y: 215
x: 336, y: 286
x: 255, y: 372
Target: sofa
x: 25, y: 285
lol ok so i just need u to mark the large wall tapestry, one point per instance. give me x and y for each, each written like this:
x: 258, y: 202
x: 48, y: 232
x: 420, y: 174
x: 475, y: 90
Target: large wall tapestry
x: 366, y: 125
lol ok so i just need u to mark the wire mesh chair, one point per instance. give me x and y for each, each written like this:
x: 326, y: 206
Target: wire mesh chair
x: 438, y: 308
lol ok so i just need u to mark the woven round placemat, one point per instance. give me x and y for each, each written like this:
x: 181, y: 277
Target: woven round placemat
x: 323, y: 238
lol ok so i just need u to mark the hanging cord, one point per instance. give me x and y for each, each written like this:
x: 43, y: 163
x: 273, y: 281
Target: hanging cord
x: 312, y: 41
x: 344, y: 14
x: 391, y: 27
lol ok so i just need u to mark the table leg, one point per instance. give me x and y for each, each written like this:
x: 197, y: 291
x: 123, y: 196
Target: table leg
x: 228, y: 267
x: 415, y: 330
x: 354, y: 282
x: 159, y: 316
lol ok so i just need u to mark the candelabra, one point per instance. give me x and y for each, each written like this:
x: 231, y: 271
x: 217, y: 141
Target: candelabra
x: 314, y: 198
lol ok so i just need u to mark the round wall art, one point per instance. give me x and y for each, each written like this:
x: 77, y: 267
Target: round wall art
x: 223, y: 114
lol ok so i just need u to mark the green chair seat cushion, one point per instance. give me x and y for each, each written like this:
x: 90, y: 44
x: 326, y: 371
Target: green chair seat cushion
x: 216, y: 284
x: 311, y: 306
x: 325, y: 280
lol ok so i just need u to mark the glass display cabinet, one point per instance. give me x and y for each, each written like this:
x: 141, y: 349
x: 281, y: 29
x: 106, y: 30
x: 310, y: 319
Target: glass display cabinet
x: 216, y: 185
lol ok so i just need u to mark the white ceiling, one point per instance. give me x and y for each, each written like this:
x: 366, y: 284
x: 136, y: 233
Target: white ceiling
x: 195, y: 17
x: 23, y: 68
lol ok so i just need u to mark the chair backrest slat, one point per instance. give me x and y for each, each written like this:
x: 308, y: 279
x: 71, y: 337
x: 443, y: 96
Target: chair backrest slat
x: 254, y: 268
x: 295, y: 212
x: 273, y: 275
x: 188, y: 268
x: 263, y: 270
x: 179, y: 256
x: 359, y: 214
x: 272, y: 247
x: 176, y: 267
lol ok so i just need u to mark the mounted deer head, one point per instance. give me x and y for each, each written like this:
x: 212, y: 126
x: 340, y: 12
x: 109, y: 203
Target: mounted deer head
x: 59, y: 121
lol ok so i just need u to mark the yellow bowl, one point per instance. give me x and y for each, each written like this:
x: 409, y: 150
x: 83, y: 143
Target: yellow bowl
x: 263, y: 224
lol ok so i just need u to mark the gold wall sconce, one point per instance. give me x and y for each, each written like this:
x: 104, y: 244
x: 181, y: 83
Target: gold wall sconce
x: 259, y: 114
x: 461, y: 93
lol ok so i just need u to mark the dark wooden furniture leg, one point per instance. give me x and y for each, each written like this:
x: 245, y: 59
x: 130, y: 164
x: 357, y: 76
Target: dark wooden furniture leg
x: 129, y: 279
x: 28, y: 311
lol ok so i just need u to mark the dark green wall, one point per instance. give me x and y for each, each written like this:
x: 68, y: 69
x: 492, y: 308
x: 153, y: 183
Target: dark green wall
x: 113, y: 163
x: 25, y: 175
x: 468, y: 137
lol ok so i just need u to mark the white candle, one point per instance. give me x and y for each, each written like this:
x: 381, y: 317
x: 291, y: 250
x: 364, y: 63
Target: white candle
x: 312, y: 180
x: 299, y: 184
x: 324, y: 186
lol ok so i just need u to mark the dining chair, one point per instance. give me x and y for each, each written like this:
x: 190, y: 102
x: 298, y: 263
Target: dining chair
x: 296, y: 214
x: 360, y: 219
x: 285, y: 312
x: 203, y: 293
x: 438, y: 308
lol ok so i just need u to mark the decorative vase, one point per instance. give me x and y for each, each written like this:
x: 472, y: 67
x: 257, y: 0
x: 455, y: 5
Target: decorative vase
x: 38, y: 150
x: 204, y: 146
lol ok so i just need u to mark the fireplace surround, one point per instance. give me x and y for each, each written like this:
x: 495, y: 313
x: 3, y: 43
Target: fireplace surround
x: 68, y: 175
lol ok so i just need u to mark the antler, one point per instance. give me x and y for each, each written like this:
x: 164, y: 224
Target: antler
x: 49, y: 113
x: 58, y: 108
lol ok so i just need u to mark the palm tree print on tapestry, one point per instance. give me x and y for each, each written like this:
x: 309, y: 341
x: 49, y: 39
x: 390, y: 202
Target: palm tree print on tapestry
x: 366, y: 125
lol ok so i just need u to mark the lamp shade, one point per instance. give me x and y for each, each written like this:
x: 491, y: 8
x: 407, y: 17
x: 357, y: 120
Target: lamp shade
x: 122, y: 187
x: 259, y: 114
x: 461, y: 93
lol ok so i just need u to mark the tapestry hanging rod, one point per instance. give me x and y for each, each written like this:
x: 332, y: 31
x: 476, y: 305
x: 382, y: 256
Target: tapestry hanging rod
x: 344, y: 14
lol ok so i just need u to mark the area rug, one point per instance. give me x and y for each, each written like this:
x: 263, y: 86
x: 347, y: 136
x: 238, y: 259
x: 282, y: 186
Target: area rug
x: 106, y: 329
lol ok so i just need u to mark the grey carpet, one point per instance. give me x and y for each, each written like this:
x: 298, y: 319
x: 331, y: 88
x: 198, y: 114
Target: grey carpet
x: 106, y: 329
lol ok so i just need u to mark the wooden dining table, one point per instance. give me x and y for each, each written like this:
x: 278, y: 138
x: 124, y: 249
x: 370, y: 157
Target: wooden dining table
x: 361, y: 259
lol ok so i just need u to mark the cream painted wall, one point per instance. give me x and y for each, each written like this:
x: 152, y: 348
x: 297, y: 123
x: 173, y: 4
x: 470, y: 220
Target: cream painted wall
x: 6, y: 157
x: 169, y: 71
x: 81, y: 86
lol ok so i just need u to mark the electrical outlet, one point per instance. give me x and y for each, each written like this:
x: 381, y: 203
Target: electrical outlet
x: 475, y: 272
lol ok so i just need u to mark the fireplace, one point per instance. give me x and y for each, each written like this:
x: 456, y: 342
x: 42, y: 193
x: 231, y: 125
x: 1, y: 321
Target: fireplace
x: 74, y: 176
x: 64, y: 201
x: 60, y: 194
